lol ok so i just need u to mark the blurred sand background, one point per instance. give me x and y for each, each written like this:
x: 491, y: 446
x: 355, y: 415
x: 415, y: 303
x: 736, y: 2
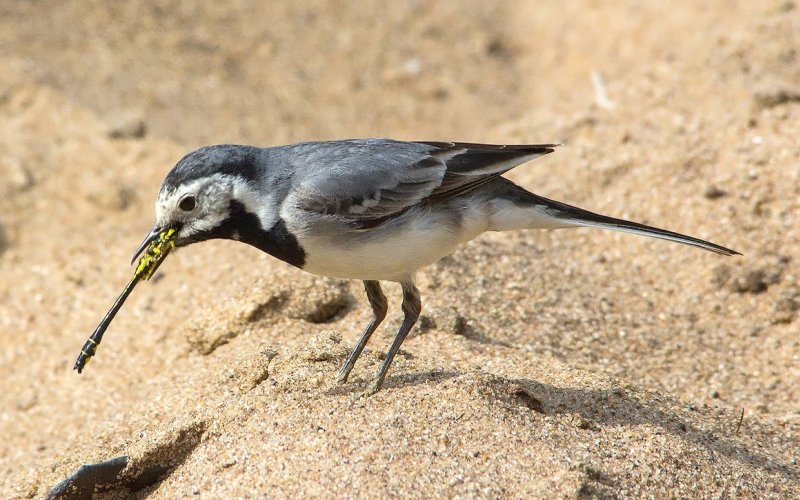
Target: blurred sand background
x: 559, y: 364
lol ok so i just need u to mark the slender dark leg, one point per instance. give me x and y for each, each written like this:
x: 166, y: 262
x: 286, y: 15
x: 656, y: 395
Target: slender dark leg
x: 379, y: 307
x: 412, y: 306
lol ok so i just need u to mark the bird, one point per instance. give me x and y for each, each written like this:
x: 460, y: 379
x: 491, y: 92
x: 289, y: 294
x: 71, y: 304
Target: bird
x: 375, y: 210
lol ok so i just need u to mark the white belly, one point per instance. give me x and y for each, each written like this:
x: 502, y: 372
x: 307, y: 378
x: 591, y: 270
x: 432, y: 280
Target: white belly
x: 392, y: 251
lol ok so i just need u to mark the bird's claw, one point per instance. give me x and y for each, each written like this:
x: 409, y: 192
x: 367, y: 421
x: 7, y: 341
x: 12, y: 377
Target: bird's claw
x: 369, y: 391
x: 341, y: 378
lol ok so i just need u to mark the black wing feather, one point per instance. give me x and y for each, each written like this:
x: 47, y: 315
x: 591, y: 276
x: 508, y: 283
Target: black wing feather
x: 471, y: 165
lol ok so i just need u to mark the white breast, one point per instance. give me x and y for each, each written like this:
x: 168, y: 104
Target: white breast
x: 392, y: 251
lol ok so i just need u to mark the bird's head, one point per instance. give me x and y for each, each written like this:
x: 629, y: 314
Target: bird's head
x: 205, y: 194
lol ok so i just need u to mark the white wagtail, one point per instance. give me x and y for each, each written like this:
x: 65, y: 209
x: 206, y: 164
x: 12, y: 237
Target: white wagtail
x: 370, y: 209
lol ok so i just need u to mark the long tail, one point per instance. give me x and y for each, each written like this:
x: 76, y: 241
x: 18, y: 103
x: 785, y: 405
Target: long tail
x: 543, y: 213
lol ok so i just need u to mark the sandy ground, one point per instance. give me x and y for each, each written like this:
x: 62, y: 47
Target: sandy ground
x: 556, y: 364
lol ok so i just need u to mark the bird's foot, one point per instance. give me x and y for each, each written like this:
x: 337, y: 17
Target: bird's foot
x: 371, y: 389
x: 341, y: 377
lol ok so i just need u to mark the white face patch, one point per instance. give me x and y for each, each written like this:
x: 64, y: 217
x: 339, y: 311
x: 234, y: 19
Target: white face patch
x: 212, y: 195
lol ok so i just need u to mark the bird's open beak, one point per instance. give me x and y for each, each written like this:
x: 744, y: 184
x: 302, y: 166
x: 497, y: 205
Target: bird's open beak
x: 154, y: 234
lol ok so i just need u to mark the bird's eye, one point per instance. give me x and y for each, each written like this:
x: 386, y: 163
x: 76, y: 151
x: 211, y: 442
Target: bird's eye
x: 187, y: 204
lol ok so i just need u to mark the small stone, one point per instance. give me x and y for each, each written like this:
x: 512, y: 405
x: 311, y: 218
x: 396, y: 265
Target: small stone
x: 497, y: 48
x: 752, y: 281
x: 714, y: 193
x: 128, y: 125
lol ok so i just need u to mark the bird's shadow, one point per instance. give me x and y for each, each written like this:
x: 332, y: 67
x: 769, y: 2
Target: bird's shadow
x: 598, y: 409
x: 618, y: 407
x: 356, y: 385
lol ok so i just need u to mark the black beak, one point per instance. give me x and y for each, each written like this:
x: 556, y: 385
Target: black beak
x: 150, y: 237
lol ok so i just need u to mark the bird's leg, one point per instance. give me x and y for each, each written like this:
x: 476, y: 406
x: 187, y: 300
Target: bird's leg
x: 379, y: 307
x: 412, y: 306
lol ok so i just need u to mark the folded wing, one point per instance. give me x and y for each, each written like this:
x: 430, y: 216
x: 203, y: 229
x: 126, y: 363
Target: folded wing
x: 370, y: 181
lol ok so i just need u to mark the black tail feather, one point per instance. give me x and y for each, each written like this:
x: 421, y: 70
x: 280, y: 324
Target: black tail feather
x: 574, y: 216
